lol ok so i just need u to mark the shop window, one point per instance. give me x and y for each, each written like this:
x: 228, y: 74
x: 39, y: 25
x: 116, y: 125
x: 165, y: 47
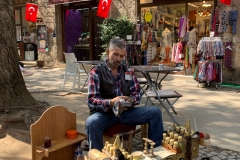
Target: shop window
x: 17, y: 17
x: 18, y: 33
x: 163, y: 17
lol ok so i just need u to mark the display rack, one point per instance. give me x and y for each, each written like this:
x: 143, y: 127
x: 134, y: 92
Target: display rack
x: 209, y: 68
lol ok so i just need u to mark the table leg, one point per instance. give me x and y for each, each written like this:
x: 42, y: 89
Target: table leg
x: 87, y: 76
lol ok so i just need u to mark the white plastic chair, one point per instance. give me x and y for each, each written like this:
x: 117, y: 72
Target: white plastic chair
x: 72, y: 69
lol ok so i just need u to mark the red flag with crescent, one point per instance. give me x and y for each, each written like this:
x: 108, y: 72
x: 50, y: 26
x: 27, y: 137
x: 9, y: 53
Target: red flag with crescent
x: 31, y: 12
x: 227, y: 2
x: 103, y: 8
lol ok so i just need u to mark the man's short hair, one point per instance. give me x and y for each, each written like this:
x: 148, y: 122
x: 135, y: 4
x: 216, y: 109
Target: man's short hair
x: 117, y: 42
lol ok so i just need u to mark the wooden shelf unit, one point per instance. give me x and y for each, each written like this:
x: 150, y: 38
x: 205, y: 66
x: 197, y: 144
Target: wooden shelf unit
x: 59, y: 144
x: 54, y: 123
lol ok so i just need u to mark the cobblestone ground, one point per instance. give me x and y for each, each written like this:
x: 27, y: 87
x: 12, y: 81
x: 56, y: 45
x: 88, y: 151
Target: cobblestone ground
x: 211, y: 153
x: 55, y: 79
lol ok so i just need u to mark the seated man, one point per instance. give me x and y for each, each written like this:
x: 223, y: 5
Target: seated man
x: 108, y: 84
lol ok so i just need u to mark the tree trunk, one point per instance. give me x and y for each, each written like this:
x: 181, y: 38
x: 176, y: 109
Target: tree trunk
x: 13, y: 91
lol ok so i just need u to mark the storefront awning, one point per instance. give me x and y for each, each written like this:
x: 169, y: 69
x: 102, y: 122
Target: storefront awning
x: 65, y: 1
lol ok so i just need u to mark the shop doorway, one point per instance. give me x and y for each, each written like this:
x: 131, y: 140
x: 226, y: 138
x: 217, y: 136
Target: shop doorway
x: 80, y: 31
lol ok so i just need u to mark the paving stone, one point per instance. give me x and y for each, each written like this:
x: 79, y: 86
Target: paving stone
x: 209, y: 155
x: 201, y: 151
x: 222, y: 156
x: 206, y: 150
x: 238, y: 156
x: 231, y: 157
x: 224, y: 153
x: 214, y: 153
x: 201, y: 147
x: 199, y: 154
x: 233, y: 154
x: 215, y: 158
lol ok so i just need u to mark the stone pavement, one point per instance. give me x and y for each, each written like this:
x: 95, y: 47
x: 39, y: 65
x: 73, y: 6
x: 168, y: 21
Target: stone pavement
x: 216, y: 111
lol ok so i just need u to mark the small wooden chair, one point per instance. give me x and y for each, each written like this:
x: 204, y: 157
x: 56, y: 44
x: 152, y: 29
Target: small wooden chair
x: 122, y: 130
x: 54, y: 123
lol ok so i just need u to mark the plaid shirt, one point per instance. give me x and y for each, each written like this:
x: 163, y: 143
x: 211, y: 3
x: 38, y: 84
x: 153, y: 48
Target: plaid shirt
x: 95, y: 100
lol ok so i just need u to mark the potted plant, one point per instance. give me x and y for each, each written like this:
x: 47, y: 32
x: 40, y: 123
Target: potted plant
x: 103, y: 56
x: 40, y: 63
x: 115, y: 27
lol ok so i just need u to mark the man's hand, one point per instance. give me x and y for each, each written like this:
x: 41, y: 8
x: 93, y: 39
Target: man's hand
x: 127, y: 98
x: 115, y: 100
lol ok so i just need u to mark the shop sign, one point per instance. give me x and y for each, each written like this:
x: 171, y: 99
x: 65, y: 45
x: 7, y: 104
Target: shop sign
x: 63, y: 1
x: 21, y: 2
x: 39, y: 20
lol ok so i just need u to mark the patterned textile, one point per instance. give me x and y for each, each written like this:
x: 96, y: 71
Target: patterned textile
x: 210, y: 48
x: 178, y: 52
x: 202, y: 67
x: 209, y: 71
x: 222, y: 22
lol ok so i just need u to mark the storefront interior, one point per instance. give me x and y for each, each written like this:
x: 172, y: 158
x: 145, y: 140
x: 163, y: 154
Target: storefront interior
x: 161, y: 25
x: 80, y: 29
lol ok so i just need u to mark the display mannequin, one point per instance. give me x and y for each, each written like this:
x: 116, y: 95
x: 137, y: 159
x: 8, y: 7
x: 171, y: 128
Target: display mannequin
x: 192, y: 44
x: 166, y: 44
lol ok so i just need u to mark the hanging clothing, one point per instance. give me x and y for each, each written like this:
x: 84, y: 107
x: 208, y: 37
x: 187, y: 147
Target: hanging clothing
x: 174, y: 49
x: 209, y: 71
x: 192, y: 38
x: 166, y: 38
x: 222, y: 21
x: 207, y: 49
x: 228, y: 55
x: 214, y: 20
x: 182, y: 27
x: 186, y: 59
x: 232, y: 20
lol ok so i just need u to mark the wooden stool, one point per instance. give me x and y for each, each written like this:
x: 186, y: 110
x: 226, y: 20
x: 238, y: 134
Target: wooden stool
x: 122, y: 130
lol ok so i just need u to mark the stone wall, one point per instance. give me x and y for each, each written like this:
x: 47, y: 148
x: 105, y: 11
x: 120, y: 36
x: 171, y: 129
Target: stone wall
x: 124, y: 7
x: 232, y: 75
x: 47, y: 13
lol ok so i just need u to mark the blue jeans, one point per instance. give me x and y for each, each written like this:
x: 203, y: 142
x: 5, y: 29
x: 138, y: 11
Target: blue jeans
x: 98, y: 122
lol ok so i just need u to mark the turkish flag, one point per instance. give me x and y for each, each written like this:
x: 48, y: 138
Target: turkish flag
x: 227, y: 2
x: 103, y: 8
x: 31, y: 12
